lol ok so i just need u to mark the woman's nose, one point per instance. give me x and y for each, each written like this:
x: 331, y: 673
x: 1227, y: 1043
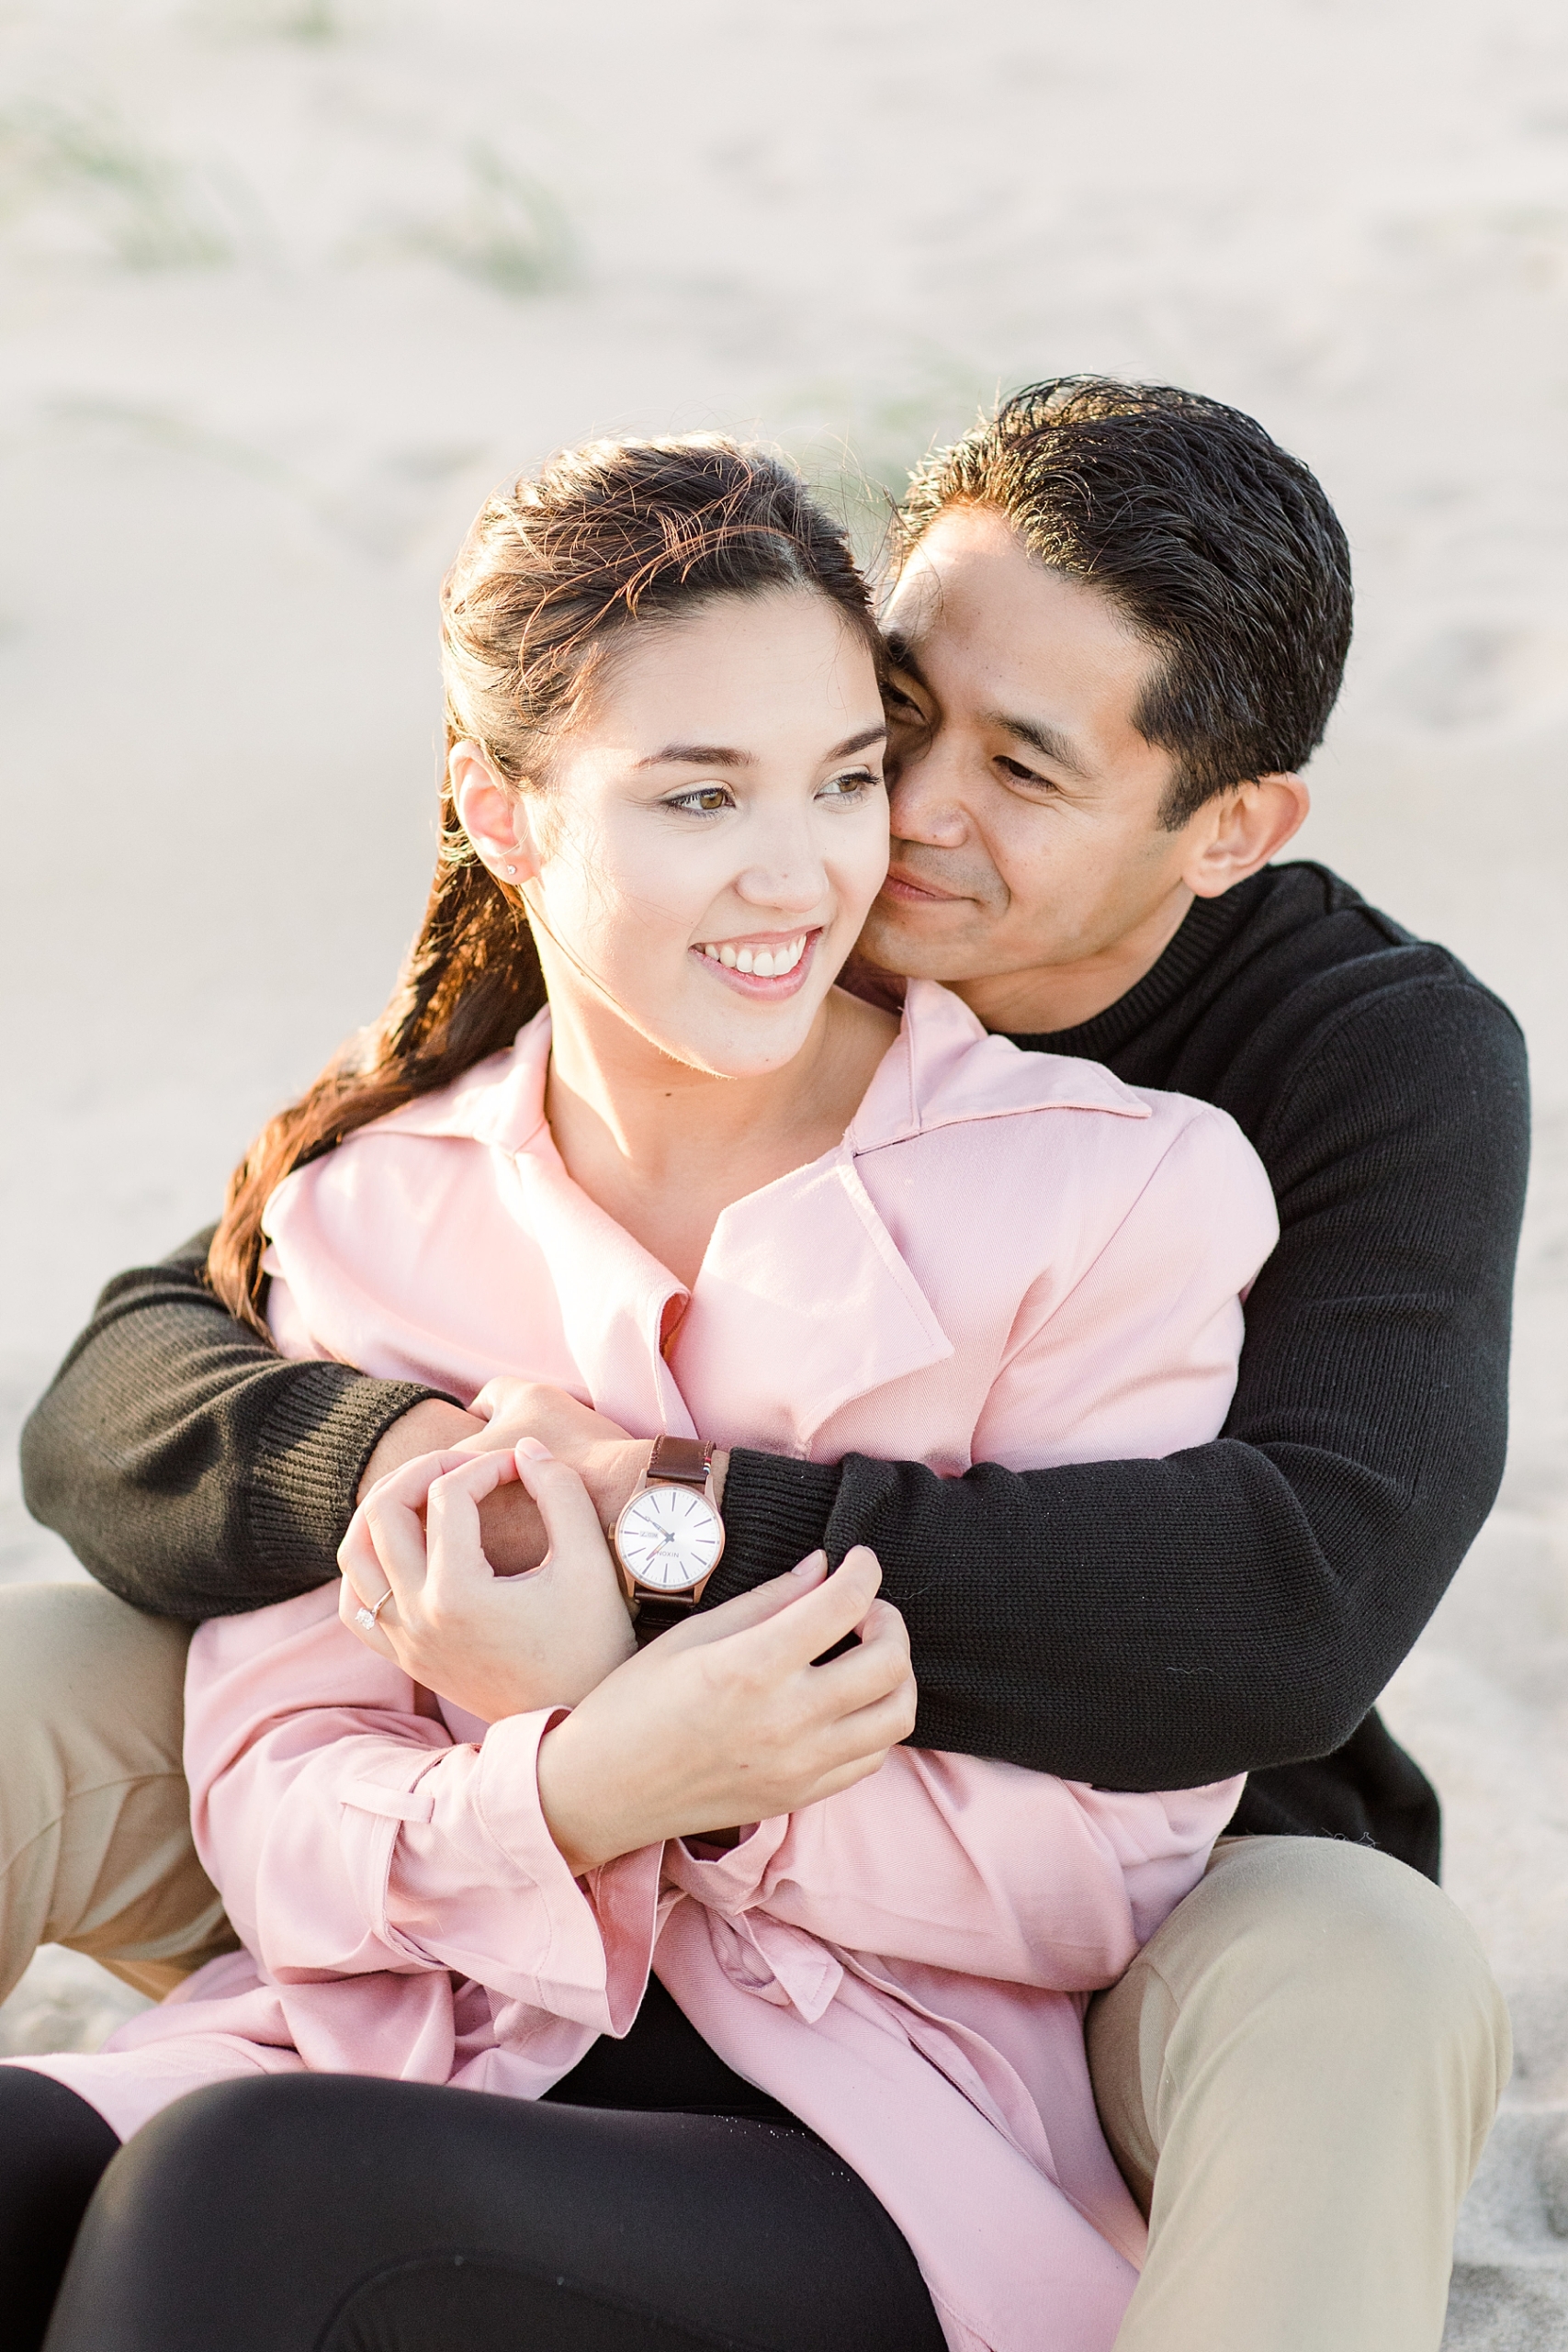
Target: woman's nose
x: 794, y: 888
x: 786, y: 872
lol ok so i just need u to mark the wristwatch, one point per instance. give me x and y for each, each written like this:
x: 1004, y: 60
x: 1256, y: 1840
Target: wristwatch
x: 669, y: 1538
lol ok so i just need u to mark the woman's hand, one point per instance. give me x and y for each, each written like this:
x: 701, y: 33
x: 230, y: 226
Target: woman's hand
x: 725, y: 1719
x: 493, y: 1644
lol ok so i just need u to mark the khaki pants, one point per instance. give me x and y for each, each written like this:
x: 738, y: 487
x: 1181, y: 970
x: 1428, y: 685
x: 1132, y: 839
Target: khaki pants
x: 94, y: 1814
x: 1297, y: 2073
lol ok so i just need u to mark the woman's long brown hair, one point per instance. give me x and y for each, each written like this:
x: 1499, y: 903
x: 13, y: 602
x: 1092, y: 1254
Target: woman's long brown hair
x: 605, y: 538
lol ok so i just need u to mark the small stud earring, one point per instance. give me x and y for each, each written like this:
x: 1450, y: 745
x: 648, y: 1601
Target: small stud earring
x: 510, y: 868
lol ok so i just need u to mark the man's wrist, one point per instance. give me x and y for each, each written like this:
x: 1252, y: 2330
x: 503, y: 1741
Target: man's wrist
x: 614, y: 1477
x: 430, y: 1427
x: 776, y: 1511
x: 613, y: 1474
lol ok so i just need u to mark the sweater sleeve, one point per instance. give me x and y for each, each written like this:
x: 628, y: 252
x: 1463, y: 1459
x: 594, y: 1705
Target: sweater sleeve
x: 1146, y: 1624
x: 191, y: 1468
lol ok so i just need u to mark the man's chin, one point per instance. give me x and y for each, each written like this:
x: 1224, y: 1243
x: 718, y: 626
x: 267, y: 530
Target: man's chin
x: 901, y: 946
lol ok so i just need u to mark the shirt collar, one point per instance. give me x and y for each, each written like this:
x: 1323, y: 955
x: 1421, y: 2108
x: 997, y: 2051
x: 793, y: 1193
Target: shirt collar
x: 862, y: 1321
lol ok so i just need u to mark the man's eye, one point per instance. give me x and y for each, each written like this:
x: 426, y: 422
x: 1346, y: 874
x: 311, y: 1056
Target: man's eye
x: 1020, y: 774
x: 706, y: 801
x: 903, y: 705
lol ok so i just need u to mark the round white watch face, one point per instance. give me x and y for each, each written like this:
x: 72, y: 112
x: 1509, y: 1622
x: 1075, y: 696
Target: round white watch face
x: 670, y: 1537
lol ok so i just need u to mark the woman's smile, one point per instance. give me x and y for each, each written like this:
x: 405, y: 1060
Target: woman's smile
x: 767, y: 964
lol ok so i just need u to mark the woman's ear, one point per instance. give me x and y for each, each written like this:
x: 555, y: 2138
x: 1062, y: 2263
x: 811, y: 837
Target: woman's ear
x: 1237, y: 832
x: 494, y: 819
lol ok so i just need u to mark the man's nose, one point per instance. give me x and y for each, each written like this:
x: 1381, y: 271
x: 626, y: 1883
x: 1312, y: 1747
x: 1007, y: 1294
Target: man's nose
x: 925, y: 798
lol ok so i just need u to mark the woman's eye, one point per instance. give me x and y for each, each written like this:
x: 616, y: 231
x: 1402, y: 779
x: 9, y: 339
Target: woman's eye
x: 708, y: 800
x: 850, y: 787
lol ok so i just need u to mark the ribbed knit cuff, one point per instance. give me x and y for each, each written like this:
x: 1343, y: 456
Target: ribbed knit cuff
x: 775, y: 1511
x: 321, y: 1430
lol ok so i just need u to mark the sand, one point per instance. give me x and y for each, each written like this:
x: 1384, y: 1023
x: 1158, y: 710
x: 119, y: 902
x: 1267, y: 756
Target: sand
x: 286, y: 285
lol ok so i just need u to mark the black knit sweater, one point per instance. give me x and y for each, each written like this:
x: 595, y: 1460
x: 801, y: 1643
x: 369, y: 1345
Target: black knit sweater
x: 1139, y: 1624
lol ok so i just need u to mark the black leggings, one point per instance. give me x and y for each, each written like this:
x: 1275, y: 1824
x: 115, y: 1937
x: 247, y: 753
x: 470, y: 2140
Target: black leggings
x: 653, y: 2203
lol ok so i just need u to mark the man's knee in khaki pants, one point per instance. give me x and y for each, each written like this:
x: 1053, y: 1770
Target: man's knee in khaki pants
x: 95, y: 1815
x: 1298, y: 2074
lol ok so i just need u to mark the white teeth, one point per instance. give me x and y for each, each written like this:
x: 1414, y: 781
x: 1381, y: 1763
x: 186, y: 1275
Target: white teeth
x: 762, y: 962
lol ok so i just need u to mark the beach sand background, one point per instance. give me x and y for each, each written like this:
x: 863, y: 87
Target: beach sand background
x: 286, y: 285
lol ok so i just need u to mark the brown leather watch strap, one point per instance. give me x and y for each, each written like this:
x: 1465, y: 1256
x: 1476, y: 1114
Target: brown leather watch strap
x: 656, y: 1612
x: 680, y: 1462
x: 685, y: 1461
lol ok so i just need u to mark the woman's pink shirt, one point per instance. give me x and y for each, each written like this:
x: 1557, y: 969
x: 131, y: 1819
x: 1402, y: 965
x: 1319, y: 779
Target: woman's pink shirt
x: 1010, y: 1258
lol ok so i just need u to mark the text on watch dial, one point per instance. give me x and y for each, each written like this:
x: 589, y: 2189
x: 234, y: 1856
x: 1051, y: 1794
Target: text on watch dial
x: 668, y: 1537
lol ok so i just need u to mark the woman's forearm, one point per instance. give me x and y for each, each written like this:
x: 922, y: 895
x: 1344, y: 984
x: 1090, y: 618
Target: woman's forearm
x: 294, y: 1824
x: 729, y: 1718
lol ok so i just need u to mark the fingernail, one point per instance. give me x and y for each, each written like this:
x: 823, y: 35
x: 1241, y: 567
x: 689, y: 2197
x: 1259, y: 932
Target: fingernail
x: 534, y: 1450
x: 808, y: 1566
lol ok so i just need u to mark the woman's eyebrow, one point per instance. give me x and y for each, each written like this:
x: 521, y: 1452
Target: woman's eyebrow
x: 860, y: 743
x: 698, y: 756
x: 720, y: 756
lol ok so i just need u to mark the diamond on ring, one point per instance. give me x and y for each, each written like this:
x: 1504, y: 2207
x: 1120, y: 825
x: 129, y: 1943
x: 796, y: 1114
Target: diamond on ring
x: 363, y: 1617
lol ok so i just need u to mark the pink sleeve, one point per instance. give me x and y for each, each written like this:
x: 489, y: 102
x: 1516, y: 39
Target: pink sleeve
x: 347, y: 1833
x: 981, y: 1867
x: 1140, y: 1358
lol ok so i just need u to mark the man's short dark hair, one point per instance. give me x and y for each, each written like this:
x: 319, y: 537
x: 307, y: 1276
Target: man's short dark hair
x: 1219, y: 547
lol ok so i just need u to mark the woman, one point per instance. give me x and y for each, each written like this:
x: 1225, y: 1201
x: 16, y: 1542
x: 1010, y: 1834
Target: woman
x: 710, y: 1192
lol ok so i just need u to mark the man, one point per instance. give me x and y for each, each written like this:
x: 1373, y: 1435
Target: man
x: 1119, y: 619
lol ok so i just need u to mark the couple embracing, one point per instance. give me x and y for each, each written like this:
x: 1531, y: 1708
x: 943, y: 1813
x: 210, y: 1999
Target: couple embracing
x: 885, y: 1415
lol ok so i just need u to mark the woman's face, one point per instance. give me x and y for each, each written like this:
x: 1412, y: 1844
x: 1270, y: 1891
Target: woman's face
x: 711, y: 837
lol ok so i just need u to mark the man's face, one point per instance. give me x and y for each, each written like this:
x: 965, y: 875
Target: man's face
x: 1025, y: 804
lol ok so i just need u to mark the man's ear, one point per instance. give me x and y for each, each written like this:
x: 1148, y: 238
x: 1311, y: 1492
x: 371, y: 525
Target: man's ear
x: 1239, y: 831
x: 493, y: 819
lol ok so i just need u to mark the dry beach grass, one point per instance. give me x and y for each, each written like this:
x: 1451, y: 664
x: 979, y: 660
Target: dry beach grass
x: 285, y: 283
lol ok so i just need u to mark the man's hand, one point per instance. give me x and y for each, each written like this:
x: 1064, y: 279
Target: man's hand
x: 511, y: 1527
x: 433, y: 1427
x: 609, y: 1463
